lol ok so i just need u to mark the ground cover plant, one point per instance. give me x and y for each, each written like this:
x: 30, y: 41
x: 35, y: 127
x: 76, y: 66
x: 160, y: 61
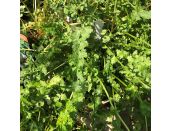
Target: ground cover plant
x: 89, y: 68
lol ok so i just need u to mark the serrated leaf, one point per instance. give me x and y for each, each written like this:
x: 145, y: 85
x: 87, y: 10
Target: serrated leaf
x: 55, y: 80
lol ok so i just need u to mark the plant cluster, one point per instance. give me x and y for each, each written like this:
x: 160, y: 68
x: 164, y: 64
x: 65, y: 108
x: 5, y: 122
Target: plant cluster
x: 92, y: 65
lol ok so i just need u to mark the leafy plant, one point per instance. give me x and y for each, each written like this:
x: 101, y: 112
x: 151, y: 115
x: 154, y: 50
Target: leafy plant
x: 91, y: 69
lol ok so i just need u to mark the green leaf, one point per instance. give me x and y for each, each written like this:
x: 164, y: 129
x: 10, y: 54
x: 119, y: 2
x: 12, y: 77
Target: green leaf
x: 103, y: 32
x: 145, y: 14
x: 106, y: 39
x: 56, y: 80
x: 113, y: 60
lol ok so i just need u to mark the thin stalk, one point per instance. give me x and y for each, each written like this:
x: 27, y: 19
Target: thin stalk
x: 35, y: 5
x: 137, y: 38
x: 120, y: 81
x: 33, y: 50
x: 146, y: 123
x: 114, y: 107
x: 27, y: 50
x: 130, y: 45
x: 56, y: 68
x: 115, y: 7
x: 105, y: 91
x: 71, y: 96
x: 93, y: 120
x: 39, y: 116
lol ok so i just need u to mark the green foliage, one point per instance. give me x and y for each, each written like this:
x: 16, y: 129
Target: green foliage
x: 91, y: 69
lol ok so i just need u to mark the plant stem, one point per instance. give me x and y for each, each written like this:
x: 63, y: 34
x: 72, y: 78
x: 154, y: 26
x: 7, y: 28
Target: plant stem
x: 56, y: 68
x: 114, y: 107
x: 39, y: 116
x: 146, y: 123
x: 137, y: 38
x: 27, y: 50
